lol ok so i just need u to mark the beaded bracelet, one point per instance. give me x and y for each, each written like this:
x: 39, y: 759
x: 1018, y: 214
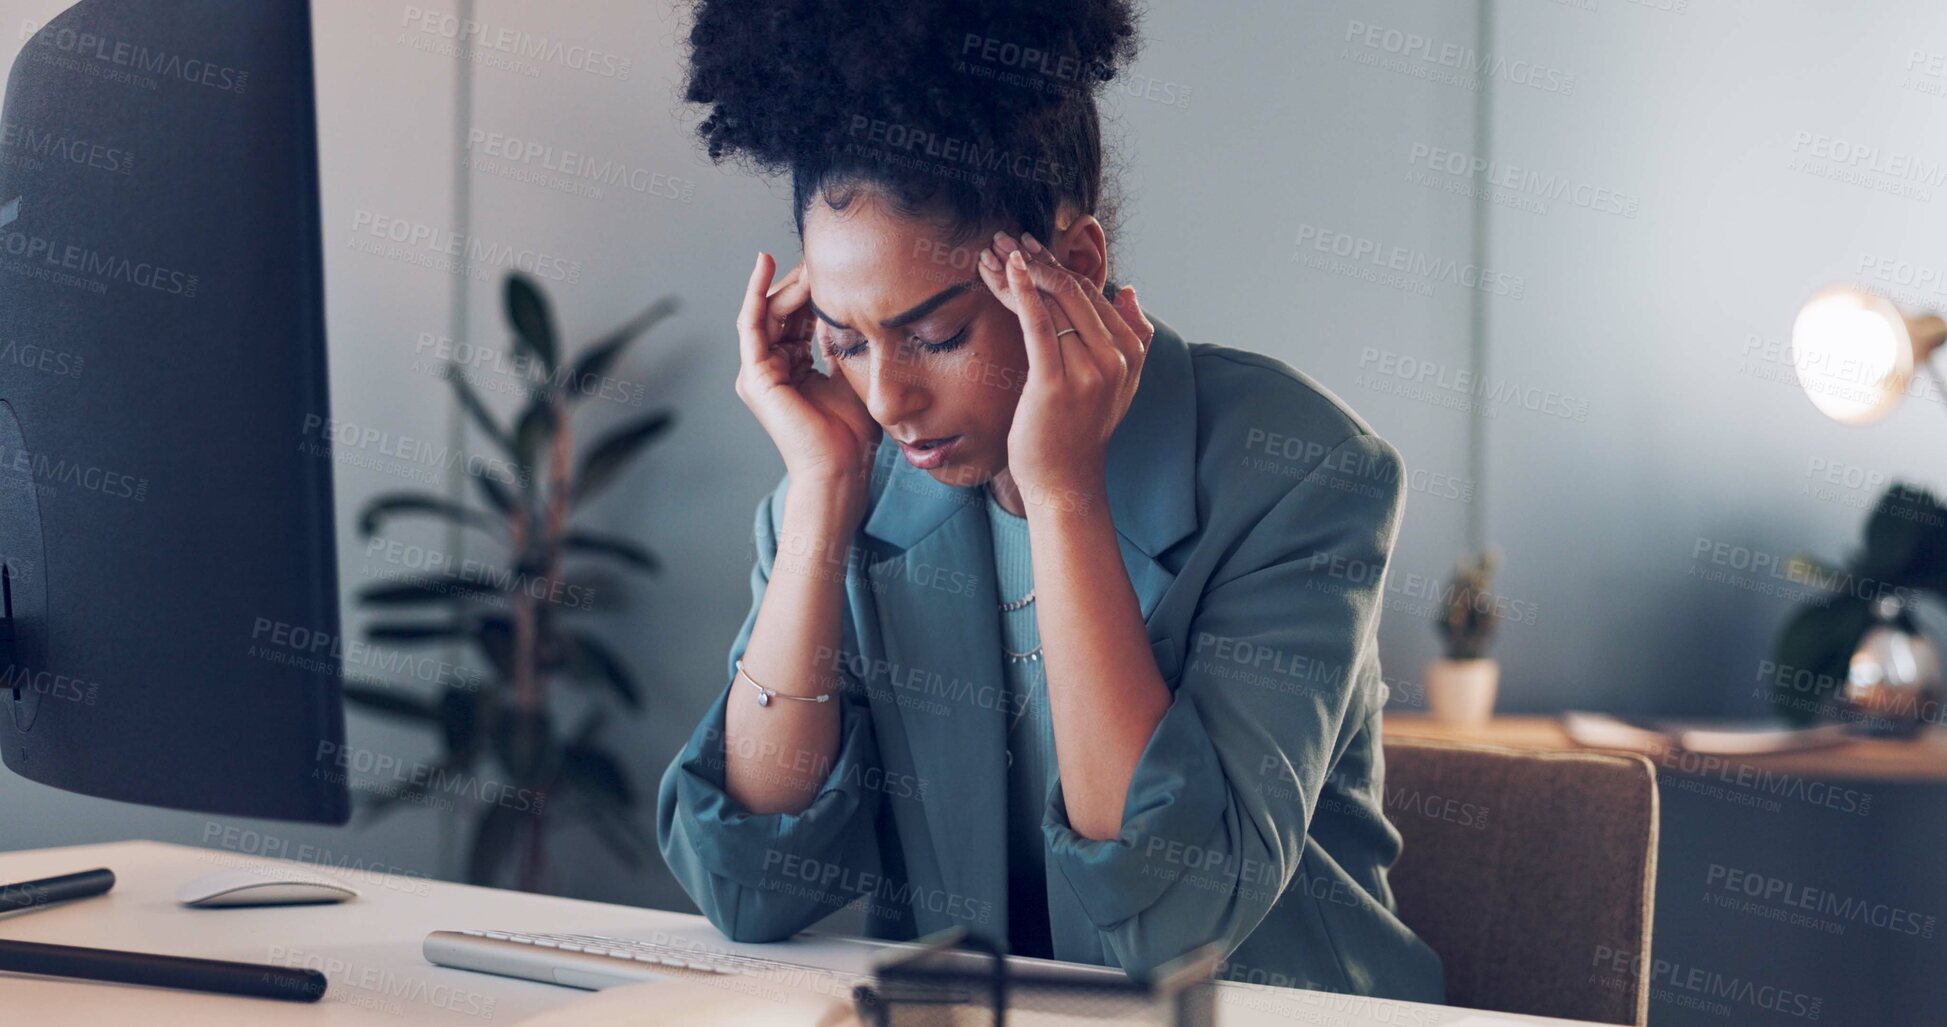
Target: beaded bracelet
x: 765, y: 695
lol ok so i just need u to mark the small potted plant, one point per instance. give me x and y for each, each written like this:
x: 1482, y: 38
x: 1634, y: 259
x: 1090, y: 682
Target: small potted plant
x: 1460, y: 687
x: 1855, y: 652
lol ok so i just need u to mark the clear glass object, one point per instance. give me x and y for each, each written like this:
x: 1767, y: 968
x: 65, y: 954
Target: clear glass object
x: 1893, y: 684
x: 958, y: 980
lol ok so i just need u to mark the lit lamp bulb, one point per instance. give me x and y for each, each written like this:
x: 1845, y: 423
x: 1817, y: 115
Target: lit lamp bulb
x: 1855, y: 353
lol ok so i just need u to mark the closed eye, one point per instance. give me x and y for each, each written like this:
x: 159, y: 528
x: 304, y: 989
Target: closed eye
x: 951, y: 342
x: 946, y: 345
x: 837, y: 352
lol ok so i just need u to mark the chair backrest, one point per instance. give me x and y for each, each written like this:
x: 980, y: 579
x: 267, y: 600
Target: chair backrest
x: 1532, y: 874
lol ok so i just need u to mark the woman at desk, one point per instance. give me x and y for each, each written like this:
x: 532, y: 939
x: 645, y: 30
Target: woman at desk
x: 1062, y: 627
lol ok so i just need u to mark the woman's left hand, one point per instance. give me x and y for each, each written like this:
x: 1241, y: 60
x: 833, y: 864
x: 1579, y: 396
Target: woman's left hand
x: 1079, y: 382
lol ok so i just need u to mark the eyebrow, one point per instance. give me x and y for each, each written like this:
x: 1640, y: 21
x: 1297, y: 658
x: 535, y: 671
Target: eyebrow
x: 926, y: 307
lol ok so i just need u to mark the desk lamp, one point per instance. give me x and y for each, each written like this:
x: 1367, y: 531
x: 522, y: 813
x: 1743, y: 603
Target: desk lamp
x: 1856, y: 355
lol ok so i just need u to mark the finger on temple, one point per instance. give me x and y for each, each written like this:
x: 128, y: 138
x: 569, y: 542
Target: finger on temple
x: 792, y: 284
x: 791, y: 310
x: 751, y: 338
x: 996, y: 281
x: 1071, y: 293
x: 1037, y: 322
x: 1130, y: 307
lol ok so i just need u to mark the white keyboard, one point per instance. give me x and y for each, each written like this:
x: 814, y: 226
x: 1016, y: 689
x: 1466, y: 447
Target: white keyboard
x: 594, y: 961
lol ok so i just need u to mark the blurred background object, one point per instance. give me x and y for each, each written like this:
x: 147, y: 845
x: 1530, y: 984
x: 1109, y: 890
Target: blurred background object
x: 1856, y: 354
x: 1460, y: 685
x: 504, y: 743
x: 1893, y: 678
x: 1854, y: 653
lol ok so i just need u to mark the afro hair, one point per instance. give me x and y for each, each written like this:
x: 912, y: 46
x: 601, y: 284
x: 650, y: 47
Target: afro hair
x: 983, y: 111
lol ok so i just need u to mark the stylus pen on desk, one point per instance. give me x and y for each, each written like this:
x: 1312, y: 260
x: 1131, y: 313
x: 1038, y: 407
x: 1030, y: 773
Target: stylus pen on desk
x: 49, y: 890
x: 292, y: 984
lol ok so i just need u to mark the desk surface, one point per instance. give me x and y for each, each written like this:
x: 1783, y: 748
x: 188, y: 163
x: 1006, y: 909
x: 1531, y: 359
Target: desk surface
x: 1923, y: 759
x: 370, y: 950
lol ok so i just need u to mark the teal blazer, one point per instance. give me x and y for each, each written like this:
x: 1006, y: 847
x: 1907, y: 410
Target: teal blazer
x: 1256, y: 514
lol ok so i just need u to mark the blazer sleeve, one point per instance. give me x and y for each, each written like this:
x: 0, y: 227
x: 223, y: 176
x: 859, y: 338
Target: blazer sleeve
x: 1282, y: 638
x: 764, y: 877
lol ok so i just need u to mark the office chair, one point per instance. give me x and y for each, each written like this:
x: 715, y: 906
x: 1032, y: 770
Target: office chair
x: 1532, y: 874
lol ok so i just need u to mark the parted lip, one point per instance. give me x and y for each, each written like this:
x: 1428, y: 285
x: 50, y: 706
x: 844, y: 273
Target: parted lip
x: 924, y: 441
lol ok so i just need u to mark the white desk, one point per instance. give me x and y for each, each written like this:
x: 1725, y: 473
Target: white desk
x: 369, y: 949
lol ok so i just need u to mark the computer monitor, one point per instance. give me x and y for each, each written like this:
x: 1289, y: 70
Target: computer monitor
x: 167, y: 570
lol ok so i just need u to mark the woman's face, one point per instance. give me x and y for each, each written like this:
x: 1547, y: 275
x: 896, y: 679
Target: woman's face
x: 904, y: 316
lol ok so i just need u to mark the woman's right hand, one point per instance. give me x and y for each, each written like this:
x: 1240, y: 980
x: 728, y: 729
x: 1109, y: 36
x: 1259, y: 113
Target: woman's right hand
x: 818, y: 423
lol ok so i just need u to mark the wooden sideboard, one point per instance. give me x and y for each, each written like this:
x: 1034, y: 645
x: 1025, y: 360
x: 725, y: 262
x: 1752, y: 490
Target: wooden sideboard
x: 1922, y: 759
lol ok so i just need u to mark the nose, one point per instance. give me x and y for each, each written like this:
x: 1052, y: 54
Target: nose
x: 894, y: 388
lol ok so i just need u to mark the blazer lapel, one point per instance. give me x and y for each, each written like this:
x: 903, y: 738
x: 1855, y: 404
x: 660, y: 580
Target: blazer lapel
x: 939, y: 633
x: 930, y: 574
x: 1153, y: 455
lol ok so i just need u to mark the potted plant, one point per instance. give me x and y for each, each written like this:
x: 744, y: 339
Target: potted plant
x: 1460, y: 687
x: 504, y: 729
x: 1854, y: 653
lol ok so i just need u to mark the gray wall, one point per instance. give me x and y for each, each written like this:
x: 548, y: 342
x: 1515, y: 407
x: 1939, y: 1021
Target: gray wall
x: 1673, y: 325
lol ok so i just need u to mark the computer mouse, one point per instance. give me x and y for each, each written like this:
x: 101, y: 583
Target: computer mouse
x: 262, y: 886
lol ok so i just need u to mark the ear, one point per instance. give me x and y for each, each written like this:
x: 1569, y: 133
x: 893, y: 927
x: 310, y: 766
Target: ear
x: 1084, y: 249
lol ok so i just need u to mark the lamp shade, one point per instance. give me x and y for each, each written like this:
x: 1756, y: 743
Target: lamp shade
x: 1855, y: 352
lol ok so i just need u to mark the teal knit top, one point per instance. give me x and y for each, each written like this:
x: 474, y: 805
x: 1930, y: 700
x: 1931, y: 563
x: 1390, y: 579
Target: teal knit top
x: 1030, y: 739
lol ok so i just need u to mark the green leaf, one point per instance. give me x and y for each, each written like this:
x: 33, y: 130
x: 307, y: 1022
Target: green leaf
x: 602, y: 354
x: 1813, y: 656
x: 459, y: 721
x: 609, y: 456
x: 1906, y: 539
x: 392, y: 504
x: 496, y: 492
x: 527, y: 311
x: 494, y: 838
x: 535, y: 432
x: 388, y: 702
x: 494, y: 633
x: 470, y: 402
x: 589, y: 660
x: 433, y: 588
x: 525, y: 744
x: 578, y: 541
